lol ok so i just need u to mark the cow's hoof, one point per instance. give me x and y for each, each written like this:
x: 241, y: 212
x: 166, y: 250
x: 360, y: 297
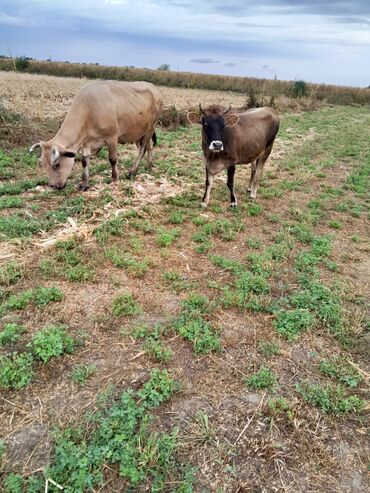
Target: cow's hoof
x: 252, y: 197
x: 233, y: 205
x: 83, y: 188
x: 130, y: 175
x: 204, y: 205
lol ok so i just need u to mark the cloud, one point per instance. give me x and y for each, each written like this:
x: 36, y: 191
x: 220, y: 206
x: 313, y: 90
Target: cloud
x: 230, y: 64
x: 204, y: 60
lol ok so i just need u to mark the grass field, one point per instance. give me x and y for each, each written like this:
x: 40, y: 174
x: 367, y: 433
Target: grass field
x: 149, y: 345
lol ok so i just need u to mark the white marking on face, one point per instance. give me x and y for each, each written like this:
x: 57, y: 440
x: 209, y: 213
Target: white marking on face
x: 216, y: 145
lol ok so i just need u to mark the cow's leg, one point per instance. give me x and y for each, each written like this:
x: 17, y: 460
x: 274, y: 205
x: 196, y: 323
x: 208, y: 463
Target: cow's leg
x: 209, y: 183
x: 150, y: 155
x: 253, y: 172
x: 142, y: 149
x: 260, y: 164
x: 84, y: 185
x: 230, y: 184
x: 112, y: 154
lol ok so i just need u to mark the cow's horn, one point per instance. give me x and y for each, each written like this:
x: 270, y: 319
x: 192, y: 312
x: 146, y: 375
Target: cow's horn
x: 200, y: 109
x: 35, y: 146
x: 227, y: 110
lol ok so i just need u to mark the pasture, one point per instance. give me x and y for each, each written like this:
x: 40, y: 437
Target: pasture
x: 147, y: 344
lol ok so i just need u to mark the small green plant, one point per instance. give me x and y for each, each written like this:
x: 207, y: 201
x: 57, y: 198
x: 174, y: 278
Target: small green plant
x: 263, y: 379
x: 43, y: 295
x: 127, y: 261
x: 192, y: 325
x: 290, y: 323
x: 176, y: 217
x: 16, y: 370
x: 330, y: 399
x: 11, y: 273
x: 279, y: 407
x: 51, y: 342
x: 13, y: 483
x: 125, y: 305
x: 165, y: 237
x: 254, y: 243
x: 82, y: 372
x: 337, y: 367
x: 157, y: 350
x: 11, y: 334
x: 113, y: 227
x: 253, y: 209
x: 335, y: 224
x: 79, y: 273
x: 269, y: 349
x: 18, y: 301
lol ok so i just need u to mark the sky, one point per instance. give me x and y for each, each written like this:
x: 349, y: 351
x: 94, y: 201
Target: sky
x: 324, y: 41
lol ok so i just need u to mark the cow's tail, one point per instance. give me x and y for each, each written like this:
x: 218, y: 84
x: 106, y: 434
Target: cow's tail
x: 154, y: 139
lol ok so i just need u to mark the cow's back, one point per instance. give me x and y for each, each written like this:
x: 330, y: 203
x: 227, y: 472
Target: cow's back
x: 255, y: 131
x: 126, y: 110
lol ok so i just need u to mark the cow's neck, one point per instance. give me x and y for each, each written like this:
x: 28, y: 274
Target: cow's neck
x: 70, y: 134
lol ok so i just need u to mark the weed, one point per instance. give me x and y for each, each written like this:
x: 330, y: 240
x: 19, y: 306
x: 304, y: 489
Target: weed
x: 192, y: 326
x: 18, y: 301
x: 127, y: 261
x: 16, y: 370
x: 11, y: 334
x: 165, y: 237
x: 254, y: 243
x: 82, y: 372
x: 330, y: 399
x: 13, y: 483
x: 10, y: 202
x: 79, y: 273
x: 176, y: 217
x: 253, y: 209
x: 337, y: 367
x: 279, y: 407
x: 178, y: 281
x: 335, y: 224
x: 157, y: 350
x: 263, y: 379
x: 43, y: 296
x: 11, y: 273
x: 51, y: 342
x: 290, y: 323
x: 228, y: 264
x: 113, y: 227
x: 125, y: 305
x: 269, y: 349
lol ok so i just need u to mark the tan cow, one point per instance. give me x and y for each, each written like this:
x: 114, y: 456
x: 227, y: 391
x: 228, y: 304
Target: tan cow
x: 230, y: 138
x: 104, y: 113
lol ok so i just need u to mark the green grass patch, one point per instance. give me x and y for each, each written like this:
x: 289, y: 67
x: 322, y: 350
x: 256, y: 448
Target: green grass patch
x: 338, y: 367
x: 51, y: 342
x: 16, y: 370
x: 290, y: 323
x: 82, y: 373
x: 138, y: 268
x: 125, y: 305
x: 263, y: 379
x: 11, y: 334
x: 330, y: 399
x: 165, y: 237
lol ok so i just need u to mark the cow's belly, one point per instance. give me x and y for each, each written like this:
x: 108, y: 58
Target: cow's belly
x: 133, y: 133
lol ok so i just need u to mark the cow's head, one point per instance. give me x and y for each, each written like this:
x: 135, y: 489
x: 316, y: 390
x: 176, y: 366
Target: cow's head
x: 214, y: 120
x: 57, y: 161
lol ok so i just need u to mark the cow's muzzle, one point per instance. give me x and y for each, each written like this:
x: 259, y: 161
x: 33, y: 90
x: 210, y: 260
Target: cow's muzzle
x: 216, y: 146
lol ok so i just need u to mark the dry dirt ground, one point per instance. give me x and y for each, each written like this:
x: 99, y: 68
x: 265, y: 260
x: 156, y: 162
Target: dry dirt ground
x: 239, y: 437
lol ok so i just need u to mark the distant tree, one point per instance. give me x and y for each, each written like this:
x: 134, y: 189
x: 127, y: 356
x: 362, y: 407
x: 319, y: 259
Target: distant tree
x: 164, y: 67
x: 298, y: 89
x: 21, y: 63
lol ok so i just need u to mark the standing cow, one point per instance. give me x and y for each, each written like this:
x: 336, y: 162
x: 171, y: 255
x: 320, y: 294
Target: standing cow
x: 230, y: 138
x: 105, y: 113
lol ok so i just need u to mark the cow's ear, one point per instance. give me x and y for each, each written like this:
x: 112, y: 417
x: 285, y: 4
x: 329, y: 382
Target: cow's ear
x: 69, y: 154
x: 231, y: 120
x: 194, y: 117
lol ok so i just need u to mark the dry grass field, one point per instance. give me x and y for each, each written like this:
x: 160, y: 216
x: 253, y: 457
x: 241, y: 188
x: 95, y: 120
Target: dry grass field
x: 147, y: 344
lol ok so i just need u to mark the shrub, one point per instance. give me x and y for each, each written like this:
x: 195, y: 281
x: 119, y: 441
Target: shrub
x: 298, y: 89
x: 22, y: 63
x: 15, y: 370
x: 51, y: 342
x: 263, y: 379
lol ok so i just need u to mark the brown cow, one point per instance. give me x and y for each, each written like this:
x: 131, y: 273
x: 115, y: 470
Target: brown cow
x: 103, y: 113
x: 230, y: 138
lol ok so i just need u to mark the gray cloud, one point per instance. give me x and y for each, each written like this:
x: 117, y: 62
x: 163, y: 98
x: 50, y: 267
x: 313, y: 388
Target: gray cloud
x: 204, y: 60
x: 230, y: 64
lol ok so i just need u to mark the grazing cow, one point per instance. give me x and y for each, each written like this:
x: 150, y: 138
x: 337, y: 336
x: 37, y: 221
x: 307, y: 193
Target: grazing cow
x: 103, y: 113
x: 230, y: 138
